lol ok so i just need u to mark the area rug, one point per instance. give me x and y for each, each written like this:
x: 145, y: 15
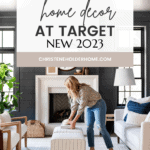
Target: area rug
x: 44, y: 144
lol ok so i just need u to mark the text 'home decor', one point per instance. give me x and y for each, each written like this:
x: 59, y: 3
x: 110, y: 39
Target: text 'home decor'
x: 78, y: 33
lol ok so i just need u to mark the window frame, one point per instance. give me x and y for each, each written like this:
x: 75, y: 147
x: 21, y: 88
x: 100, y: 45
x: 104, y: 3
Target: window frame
x: 140, y: 50
x: 9, y: 50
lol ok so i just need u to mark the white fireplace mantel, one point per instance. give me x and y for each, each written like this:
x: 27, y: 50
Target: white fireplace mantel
x: 55, y: 84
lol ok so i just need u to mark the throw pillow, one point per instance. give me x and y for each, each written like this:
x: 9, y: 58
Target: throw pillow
x: 148, y: 117
x: 6, y: 117
x: 139, y: 108
x: 126, y: 108
x: 140, y: 101
x: 135, y: 118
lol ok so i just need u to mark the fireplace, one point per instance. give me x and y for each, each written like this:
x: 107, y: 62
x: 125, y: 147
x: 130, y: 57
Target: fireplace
x: 46, y: 85
x: 59, y: 105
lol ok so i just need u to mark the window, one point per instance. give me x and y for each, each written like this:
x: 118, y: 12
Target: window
x: 136, y: 91
x: 7, y: 49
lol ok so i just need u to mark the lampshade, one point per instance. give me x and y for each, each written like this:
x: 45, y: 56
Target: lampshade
x: 124, y: 77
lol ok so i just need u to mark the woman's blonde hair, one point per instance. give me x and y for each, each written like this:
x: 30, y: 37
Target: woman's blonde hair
x: 73, y: 87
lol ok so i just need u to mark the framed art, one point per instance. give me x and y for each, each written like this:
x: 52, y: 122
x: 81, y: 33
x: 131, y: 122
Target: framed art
x: 51, y: 70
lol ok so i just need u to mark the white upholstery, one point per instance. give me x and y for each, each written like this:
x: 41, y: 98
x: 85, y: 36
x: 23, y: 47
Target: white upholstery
x: 148, y: 117
x: 5, y: 117
x: 118, y: 114
x: 135, y: 137
x: 67, y: 139
x: 128, y: 132
x: 126, y: 108
x: 145, y: 136
x: 23, y: 129
x: 15, y: 137
x: 14, y: 140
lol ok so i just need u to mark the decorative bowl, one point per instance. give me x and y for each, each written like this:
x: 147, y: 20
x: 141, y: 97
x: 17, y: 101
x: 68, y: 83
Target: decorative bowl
x: 78, y: 70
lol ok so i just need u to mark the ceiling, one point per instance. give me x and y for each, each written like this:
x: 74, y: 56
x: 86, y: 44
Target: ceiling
x: 10, y: 5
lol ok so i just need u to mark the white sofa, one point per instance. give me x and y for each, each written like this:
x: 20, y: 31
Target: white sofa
x: 135, y: 137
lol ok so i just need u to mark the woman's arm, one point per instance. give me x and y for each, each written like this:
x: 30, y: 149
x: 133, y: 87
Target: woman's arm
x: 76, y: 118
x: 73, y: 123
x: 72, y: 115
x: 83, y: 104
x: 74, y: 107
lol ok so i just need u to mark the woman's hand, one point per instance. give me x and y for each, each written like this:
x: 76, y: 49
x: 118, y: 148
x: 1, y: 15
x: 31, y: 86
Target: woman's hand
x: 70, y: 119
x: 73, y: 124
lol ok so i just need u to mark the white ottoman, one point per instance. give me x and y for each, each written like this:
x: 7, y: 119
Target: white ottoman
x: 67, y: 139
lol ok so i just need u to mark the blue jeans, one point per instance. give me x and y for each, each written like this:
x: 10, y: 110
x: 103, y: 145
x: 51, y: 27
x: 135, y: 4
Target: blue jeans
x: 97, y: 113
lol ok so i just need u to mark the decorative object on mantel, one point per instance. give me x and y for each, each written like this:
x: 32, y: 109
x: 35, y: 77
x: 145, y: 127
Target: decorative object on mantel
x: 87, y: 71
x: 51, y: 70
x: 78, y: 70
x: 124, y: 77
x: 35, y: 129
x: 66, y: 68
x: 80, y: 73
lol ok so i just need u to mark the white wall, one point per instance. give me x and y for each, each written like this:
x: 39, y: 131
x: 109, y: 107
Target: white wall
x: 10, y: 5
x: 142, y: 5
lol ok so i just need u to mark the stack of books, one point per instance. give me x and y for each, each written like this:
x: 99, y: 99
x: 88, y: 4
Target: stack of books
x: 65, y: 126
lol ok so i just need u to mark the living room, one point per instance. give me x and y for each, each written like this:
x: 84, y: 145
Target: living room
x: 39, y: 86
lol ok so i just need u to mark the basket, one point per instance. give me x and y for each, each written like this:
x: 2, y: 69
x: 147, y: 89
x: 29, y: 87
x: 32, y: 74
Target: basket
x: 35, y: 129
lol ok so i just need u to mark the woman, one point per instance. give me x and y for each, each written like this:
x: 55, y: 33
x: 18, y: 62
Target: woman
x: 83, y: 95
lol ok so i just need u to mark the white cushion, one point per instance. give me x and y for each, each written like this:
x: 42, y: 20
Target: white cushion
x: 14, y: 140
x: 141, y: 101
x: 13, y: 129
x: 5, y: 117
x: 135, y: 118
x: 128, y: 132
x: 148, y: 117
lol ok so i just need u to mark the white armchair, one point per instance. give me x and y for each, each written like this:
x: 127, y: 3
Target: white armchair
x: 12, y: 132
x: 9, y: 139
x: 136, y: 138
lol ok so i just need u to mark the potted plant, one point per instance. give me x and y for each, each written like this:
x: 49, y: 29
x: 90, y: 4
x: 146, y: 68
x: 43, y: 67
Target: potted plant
x: 8, y: 101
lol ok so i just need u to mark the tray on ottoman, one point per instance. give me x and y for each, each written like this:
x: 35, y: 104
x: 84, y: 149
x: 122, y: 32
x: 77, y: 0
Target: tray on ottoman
x: 67, y: 139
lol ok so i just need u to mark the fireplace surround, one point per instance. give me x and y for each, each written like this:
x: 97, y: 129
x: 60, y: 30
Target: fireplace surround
x: 45, y: 85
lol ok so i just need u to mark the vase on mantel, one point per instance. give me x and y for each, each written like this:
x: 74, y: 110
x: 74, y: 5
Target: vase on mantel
x: 87, y: 71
